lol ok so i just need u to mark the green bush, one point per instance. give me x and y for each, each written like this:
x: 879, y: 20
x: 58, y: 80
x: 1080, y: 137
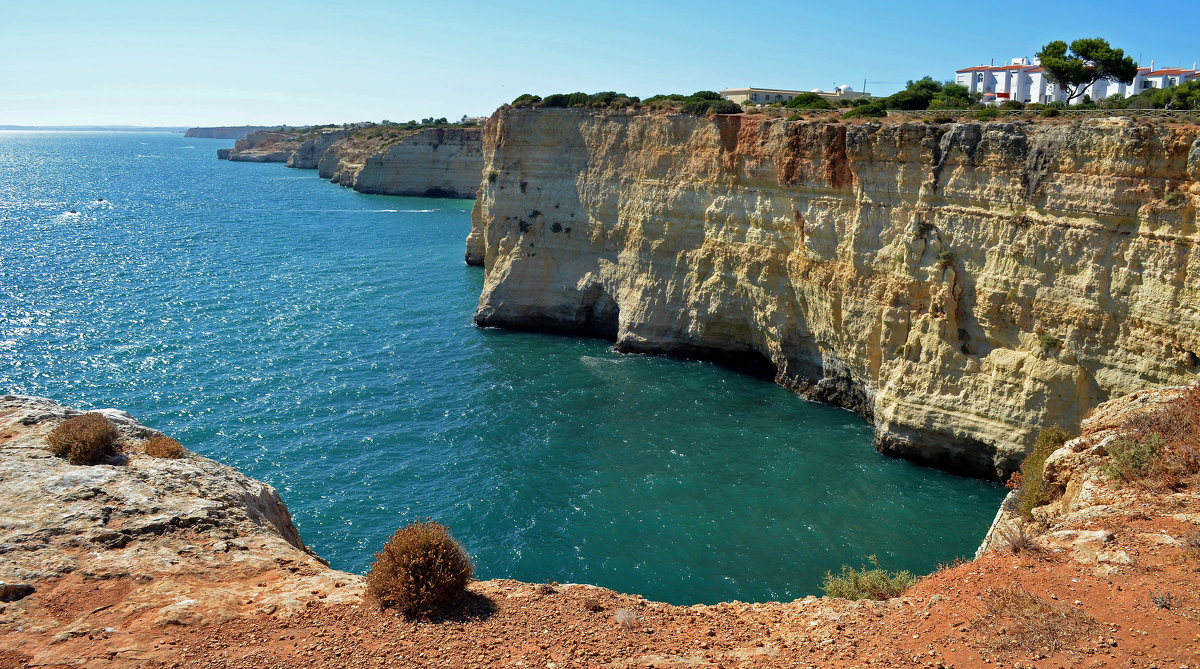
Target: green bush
x: 83, y: 440
x: 1012, y: 104
x: 808, y: 101
x: 867, y: 583
x: 1050, y: 112
x: 703, y: 103
x: 420, y: 571
x: 871, y: 110
x: 1029, y: 484
x: 1130, y: 460
x: 1048, y: 342
x: 988, y: 114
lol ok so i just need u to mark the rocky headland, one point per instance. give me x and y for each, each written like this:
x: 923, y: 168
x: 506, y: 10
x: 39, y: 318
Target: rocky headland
x: 149, y: 562
x: 226, y: 132
x: 377, y: 159
x: 958, y: 284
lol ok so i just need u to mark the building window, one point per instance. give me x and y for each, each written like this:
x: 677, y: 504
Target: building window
x: 754, y: 96
x: 778, y: 98
x: 1174, y: 81
x: 1147, y: 84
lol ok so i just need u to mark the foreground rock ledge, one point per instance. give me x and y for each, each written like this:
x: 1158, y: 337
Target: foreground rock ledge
x: 164, y: 563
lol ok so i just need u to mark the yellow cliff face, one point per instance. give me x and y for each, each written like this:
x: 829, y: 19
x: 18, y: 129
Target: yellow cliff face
x: 961, y: 285
x: 437, y: 162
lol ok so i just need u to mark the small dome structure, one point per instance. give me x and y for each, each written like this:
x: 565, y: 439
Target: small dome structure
x: 816, y: 90
x: 844, y: 88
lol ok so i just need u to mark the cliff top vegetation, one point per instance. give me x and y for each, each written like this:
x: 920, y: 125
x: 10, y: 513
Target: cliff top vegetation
x: 700, y: 103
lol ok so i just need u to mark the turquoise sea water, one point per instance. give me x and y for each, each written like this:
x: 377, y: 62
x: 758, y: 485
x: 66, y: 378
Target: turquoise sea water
x: 321, y: 340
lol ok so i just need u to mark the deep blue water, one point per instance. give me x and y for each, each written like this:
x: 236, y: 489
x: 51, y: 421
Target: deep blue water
x: 321, y: 340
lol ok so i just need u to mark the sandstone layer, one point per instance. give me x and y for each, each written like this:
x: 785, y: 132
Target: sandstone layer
x: 264, y: 146
x: 960, y: 285
x: 224, y: 132
x: 384, y: 160
x: 139, y: 562
x: 439, y: 162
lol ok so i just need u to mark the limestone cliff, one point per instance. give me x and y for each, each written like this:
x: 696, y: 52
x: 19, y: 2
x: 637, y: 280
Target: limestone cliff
x: 308, y: 154
x: 263, y: 147
x: 225, y: 132
x: 379, y: 159
x: 438, y: 162
x: 960, y: 285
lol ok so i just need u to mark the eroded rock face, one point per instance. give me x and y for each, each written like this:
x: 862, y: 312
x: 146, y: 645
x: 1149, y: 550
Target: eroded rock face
x: 308, y: 155
x: 960, y: 285
x: 434, y: 162
x: 195, y: 540
x: 262, y: 147
x: 438, y: 162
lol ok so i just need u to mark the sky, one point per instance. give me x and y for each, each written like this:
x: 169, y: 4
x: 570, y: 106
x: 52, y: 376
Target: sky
x: 300, y: 62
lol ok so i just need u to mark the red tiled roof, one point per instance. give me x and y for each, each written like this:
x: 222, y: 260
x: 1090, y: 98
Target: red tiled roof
x: 977, y: 68
x: 1174, y: 70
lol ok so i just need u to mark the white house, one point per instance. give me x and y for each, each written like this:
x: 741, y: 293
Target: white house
x: 1024, y: 80
x: 764, y: 96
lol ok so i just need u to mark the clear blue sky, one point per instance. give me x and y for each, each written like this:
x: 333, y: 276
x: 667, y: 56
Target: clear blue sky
x: 299, y: 62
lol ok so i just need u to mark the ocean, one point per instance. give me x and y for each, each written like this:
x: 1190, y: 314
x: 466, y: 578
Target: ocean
x: 322, y: 340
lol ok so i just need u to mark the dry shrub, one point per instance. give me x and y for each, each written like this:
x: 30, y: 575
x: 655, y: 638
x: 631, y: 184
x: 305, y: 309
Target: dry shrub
x: 420, y: 571
x: 627, y: 618
x: 1191, y: 546
x: 162, y: 446
x: 1016, y: 620
x: 83, y: 440
x: 1020, y: 541
x: 1163, y: 447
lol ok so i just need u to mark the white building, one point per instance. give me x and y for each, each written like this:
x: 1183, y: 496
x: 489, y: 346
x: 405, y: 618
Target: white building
x: 764, y: 96
x: 1023, y: 80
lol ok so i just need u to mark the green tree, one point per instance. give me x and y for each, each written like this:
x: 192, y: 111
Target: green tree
x: 953, y: 96
x: 1089, y: 60
x: 916, y: 95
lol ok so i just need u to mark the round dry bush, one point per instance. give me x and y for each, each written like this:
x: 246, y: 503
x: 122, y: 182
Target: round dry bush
x: 420, y: 570
x: 83, y: 440
x: 162, y: 446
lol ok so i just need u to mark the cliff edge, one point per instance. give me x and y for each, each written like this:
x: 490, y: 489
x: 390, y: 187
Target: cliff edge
x: 959, y: 285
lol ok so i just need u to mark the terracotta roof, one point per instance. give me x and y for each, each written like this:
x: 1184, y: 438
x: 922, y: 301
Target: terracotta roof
x: 1174, y: 70
x: 977, y: 68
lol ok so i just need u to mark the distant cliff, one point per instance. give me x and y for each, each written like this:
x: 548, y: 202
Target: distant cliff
x: 430, y: 162
x: 960, y: 285
x: 264, y: 146
x: 226, y: 132
x: 439, y: 162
